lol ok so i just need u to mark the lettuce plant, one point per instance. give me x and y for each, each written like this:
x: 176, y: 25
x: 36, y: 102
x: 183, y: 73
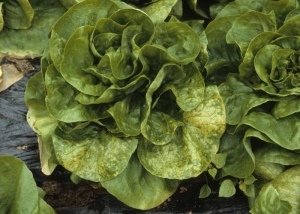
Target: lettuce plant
x: 253, y: 52
x: 121, y: 102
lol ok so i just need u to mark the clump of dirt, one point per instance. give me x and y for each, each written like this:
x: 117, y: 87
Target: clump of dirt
x: 70, y: 195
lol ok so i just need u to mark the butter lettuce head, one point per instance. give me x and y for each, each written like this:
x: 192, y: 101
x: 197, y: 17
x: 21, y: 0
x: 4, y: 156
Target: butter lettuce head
x: 257, y: 41
x: 120, y: 101
x: 253, y: 50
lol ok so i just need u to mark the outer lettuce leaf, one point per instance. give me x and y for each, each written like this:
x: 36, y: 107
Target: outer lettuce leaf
x: 198, y: 139
x: 18, y: 14
x: 19, y: 193
x: 41, y: 121
x: 271, y: 161
x: 93, y: 154
x: 282, y: 193
x: 269, y: 202
x: 284, y: 132
x: 238, y: 151
x: 239, y: 99
x: 30, y: 42
x: 59, y: 89
x: 138, y: 188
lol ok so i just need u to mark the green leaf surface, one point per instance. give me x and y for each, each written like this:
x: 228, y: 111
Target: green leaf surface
x: 223, y: 57
x: 281, y: 9
x: 282, y: 192
x: 246, y: 68
x: 178, y: 39
x: 205, y: 191
x: 219, y: 160
x: 239, y: 155
x: 87, y: 12
x: 247, y: 189
x: 69, y: 3
x: 271, y: 161
x: 41, y: 121
x: 287, y: 185
x: 269, y: 202
x: 239, y: 99
x: 275, y: 154
x: 198, y: 139
x: 68, y: 109
x: 227, y: 189
x: 286, y: 106
x: 138, y: 188
x: 18, y: 192
x: 159, y: 10
x: 73, y: 65
x: 18, y: 14
x: 30, y: 42
x: 93, y: 154
x: 283, y: 132
x: 212, y: 172
x: 128, y: 114
x: 290, y: 27
x: 239, y: 7
x: 250, y: 180
x: 248, y: 26
x: 160, y: 128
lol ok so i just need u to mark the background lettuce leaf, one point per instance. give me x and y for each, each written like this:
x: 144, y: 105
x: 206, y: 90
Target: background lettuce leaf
x: 239, y: 99
x: 243, y: 30
x: 269, y: 202
x: 30, y: 42
x: 272, y: 160
x: 18, y: 14
x: 284, y: 132
x: 18, y: 192
x: 282, y: 193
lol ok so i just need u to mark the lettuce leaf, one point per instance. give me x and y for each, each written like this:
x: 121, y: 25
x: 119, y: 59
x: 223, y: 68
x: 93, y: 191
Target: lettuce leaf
x: 19, y: 193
